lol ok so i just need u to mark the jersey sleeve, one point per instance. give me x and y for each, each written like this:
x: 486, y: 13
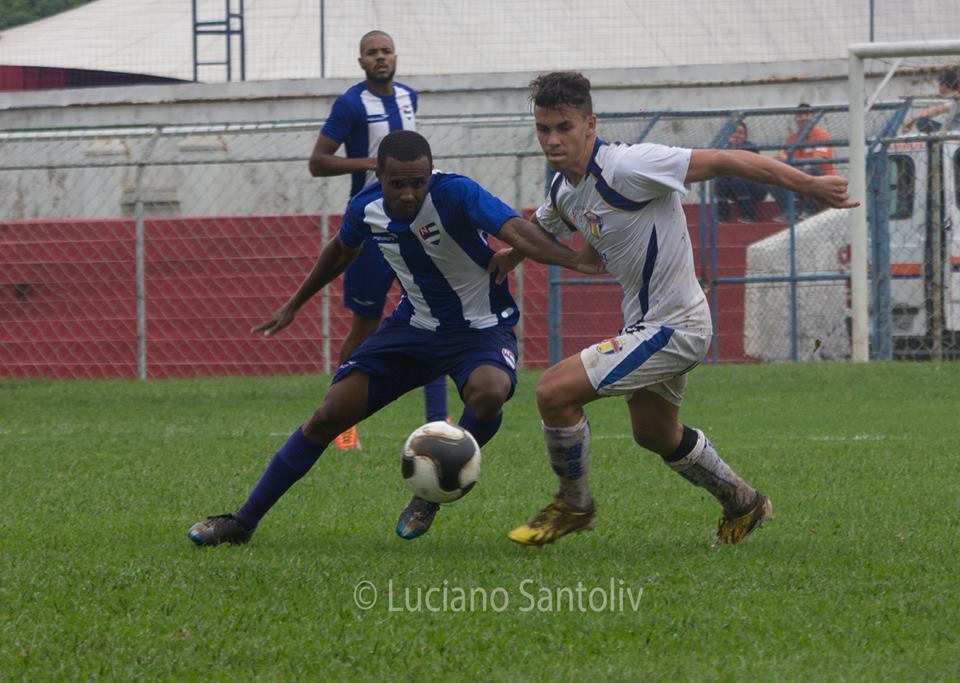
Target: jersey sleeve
x: 647, y: 171
x: 341, y: 120
x: 549, y: 216
x: 479, y: 209
x: 353, y: 228
x: 549, y: 219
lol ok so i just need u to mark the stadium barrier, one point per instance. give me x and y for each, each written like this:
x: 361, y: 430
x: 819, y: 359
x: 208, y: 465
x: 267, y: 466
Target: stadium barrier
x: 151, y: 251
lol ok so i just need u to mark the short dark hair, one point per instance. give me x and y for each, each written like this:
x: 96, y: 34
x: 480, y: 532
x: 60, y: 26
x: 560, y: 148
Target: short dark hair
x: 562, y: 88
x: 804, y: 105
x: 370, y: 34
x: 403, y: 145
x: 950, y: 78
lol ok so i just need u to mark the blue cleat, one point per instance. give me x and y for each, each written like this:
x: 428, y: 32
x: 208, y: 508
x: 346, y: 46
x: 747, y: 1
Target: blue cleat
x: 416, y: 518
x: 219, y: 529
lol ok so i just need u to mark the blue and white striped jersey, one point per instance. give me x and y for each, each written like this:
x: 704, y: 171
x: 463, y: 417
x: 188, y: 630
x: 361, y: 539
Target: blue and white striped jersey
x: 441, y: 255
x: 627, y: 206
x: 360, y: 119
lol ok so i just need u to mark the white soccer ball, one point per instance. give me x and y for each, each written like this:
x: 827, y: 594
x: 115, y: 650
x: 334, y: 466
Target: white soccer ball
x: 440, y: 462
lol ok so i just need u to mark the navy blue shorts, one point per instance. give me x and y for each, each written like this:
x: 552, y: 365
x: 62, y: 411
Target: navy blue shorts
x: 366, y: 283
x: 399, y: 358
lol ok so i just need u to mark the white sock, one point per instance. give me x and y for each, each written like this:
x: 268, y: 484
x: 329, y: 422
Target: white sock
x: 569, y: 449
x: 704, y: 467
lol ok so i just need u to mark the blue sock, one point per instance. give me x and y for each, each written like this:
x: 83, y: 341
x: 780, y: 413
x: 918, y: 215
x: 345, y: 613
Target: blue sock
x: 435, y: 398
x: 482, y: 430
x: 289, y: 464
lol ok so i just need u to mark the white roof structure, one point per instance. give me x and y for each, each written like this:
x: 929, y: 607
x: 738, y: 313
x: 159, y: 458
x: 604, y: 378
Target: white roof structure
x: 283, y: 37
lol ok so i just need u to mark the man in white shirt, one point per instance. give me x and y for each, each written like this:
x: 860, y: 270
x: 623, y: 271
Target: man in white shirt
x: 625, y: 200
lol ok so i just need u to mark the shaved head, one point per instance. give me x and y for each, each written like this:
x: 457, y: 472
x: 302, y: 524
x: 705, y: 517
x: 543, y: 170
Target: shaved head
x: 373, y: 34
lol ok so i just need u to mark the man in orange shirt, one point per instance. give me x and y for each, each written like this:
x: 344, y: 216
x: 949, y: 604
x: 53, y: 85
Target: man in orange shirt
x: 805, y: 150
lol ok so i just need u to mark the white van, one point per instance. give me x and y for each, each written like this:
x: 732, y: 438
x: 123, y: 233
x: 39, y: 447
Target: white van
x: 919, y: 299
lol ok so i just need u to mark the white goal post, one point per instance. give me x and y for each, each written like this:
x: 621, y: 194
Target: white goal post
x: 858, y: 173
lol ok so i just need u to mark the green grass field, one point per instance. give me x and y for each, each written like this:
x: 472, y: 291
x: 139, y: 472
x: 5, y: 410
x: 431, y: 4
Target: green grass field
x: 857, y: 577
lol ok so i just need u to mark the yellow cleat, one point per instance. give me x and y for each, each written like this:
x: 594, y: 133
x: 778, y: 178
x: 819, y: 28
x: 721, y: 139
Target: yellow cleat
x: 557, y: 519
x: 736, y: 529
x: 348, y: 440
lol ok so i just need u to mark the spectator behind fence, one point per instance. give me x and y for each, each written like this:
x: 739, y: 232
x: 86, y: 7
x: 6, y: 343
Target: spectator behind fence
x: 807, y: 149
x: 949, y: 86
x: 746, y: 194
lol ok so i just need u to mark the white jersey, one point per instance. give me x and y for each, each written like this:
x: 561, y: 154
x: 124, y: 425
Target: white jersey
x: 628, y: 208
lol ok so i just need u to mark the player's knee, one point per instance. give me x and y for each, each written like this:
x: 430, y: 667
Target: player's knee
x: 550, y: 394
x: 486, y: 402
x: 324, y: 424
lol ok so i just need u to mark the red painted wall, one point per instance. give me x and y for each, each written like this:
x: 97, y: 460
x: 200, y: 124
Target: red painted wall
x: 68, y: 298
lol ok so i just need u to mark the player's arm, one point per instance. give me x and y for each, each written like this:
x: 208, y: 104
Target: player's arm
x: 333, y: 260
x: 325, y: 162
x: 934, y: 110
x: 529, y: 240
x: 706, y: 164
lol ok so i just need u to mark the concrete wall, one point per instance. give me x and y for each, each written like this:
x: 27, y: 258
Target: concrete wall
x: 667, y: 88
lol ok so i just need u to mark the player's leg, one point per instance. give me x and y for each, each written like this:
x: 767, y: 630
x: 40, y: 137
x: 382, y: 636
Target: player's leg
x: 344, y: 405
x: 654, y: 416
x: 483, y: 366
x: 562, y: 392
x: 365, y: 285
x: 435, y: 399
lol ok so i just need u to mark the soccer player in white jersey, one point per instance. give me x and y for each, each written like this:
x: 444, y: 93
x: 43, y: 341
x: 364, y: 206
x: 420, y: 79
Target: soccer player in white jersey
x: 625, y: 200
x: 360, y: 118
x: 454, y: 319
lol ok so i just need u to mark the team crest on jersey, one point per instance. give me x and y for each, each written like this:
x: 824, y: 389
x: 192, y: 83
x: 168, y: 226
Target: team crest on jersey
x: 430, y: 233
x: 406, y: 110
x: 509, y: 357
x: 609, y: 347
x: 594, y: 222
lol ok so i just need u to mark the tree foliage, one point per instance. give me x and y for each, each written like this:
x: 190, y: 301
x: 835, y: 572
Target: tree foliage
x: 17, y: 12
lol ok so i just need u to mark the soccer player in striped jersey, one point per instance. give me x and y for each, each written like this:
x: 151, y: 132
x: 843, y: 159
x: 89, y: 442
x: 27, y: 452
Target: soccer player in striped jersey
x: 454, y: 319
x: 625, y: 201
x: 359, y: 120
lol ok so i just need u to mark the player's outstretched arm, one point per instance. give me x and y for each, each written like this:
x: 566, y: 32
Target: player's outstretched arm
x: 333, y: 260
x: 532, y: 241
x: 324, y: 161
x: 706, y: 164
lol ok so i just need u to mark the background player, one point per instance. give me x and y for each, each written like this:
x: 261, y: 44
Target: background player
x: 359, y: 120
x: 625, y: 200
x: 453, y: 319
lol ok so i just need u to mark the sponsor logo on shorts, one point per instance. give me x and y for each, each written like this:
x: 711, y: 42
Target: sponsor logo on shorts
x: 430, y: 233
x: 609, y: 347
x: 509, y: 357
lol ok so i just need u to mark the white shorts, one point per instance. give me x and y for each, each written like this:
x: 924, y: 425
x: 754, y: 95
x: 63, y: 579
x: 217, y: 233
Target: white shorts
x: 645, y: 356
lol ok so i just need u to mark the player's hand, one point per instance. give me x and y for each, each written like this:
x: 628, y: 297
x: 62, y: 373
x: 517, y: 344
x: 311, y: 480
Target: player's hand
x: 503, y: 262
x: 832, y: 191
x: 589, y: 262
x: 907, y: 125
x: 283, y: 317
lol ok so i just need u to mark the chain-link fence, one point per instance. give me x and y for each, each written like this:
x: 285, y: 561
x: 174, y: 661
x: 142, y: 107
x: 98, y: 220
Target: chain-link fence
x: 152, y: 251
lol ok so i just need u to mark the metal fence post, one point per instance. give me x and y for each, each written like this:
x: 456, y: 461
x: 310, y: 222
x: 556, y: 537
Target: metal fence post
x: 140, y: 257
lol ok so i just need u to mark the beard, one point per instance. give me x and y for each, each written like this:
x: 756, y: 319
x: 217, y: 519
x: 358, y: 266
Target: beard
x: 385, y: 78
